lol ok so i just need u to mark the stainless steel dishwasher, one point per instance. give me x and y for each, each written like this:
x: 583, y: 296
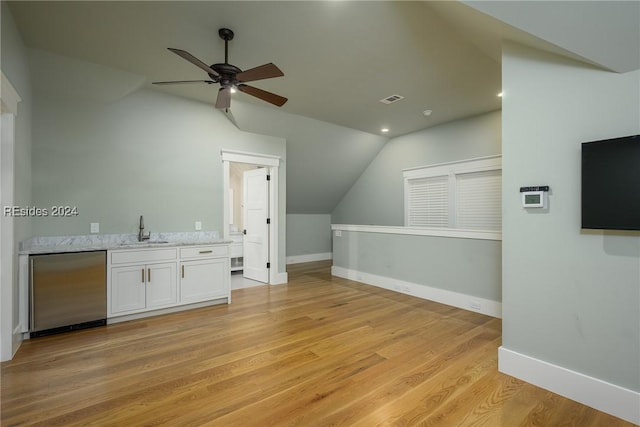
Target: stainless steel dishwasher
x: 68, y: 291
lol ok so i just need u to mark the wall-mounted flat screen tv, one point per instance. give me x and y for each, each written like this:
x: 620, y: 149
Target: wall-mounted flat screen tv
x: 611, y: 184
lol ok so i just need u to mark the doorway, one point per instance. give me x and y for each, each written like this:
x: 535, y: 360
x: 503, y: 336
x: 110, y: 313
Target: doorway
x: 248, y: 228
x: 260, y: 248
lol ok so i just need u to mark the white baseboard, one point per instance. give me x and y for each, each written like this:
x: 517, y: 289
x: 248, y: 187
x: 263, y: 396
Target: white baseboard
x: 455, y: 299
x: 603, y: 396
x: 168, y: 310
x: 18, y: 329
x: 280, y: 279
x: 297, y: 259
x: 16, y: 339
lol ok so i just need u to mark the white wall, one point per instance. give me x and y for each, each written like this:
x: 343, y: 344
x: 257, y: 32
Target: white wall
x: 571, y: 298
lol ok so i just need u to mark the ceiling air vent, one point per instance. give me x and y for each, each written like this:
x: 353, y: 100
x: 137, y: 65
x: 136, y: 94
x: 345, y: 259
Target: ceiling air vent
x: 391, y: 99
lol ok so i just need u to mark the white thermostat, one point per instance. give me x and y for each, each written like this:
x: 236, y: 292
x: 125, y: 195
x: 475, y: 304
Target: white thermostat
x: 534, y: 197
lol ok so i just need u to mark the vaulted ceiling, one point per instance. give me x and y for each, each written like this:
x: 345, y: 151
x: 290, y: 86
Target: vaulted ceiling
x: 339, y: 58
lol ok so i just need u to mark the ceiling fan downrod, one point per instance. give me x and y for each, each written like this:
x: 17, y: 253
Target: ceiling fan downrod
x: 226, y: 35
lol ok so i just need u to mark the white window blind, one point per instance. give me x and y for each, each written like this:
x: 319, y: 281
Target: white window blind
x: 428, y: 202
x: 479, y: 200
x: 464, y: 195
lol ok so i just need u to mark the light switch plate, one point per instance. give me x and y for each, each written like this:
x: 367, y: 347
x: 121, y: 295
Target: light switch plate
x: 95, y: 227
x: 198, y: 225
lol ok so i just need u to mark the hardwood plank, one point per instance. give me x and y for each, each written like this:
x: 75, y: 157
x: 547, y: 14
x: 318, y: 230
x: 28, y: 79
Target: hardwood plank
x: 318, y: 351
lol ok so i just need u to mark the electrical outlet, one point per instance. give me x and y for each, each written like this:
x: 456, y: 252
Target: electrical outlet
x: 475, y: 305
x: 338, y: 233
x: 95, y: 227
x: 198, y: 225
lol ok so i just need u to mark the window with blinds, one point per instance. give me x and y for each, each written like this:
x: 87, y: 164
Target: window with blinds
x: 462, y: 195
x: 428, y: 202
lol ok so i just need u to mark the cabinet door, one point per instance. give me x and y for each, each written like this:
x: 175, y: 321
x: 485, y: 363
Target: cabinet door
x: 127, y: 289
x: 203, y: 280
x: 162, y: 289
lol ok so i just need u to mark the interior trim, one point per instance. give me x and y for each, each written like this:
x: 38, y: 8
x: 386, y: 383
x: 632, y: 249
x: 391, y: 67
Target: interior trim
x: 420, y: 231
x: 590, y: 391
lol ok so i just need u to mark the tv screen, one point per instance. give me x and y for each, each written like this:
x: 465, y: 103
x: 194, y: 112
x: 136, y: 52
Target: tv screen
x: 611, y: 184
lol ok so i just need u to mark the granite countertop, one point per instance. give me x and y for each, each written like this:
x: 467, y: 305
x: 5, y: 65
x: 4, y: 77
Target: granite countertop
x: 103, y: 242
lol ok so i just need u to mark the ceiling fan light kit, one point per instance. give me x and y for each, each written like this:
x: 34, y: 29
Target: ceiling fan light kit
x: 229, y: 76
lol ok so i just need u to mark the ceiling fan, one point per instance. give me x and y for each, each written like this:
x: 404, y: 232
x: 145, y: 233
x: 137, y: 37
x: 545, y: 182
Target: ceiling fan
x: 229, y: 76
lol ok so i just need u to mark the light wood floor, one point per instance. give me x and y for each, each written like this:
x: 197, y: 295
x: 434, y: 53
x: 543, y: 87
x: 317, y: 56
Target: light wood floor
x: 318, y: 351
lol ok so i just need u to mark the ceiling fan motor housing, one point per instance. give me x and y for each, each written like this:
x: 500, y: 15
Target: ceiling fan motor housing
x: 227, y: 73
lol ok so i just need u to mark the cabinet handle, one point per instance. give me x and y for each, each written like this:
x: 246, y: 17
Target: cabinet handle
x: 206, y: 252
x: 183, y: 271
x: 143, y: 275
x: 149, y: 275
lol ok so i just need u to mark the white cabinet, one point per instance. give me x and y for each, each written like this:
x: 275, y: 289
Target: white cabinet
x: 162, y: 286
x: 142, y: 287
x: 140, y: 280
x: 204, y: 274
x: 127, y: 290
x: 143, y: 280
x: 202, y: 280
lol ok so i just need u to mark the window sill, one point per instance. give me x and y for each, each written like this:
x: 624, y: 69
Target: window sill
x: 420, y: 231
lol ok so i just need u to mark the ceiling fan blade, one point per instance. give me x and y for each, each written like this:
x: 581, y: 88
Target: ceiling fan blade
x: 266, y: 71
x: 263, y: 94
x: 195, y: 61
x: 224, y: 98
x: 183, y: 81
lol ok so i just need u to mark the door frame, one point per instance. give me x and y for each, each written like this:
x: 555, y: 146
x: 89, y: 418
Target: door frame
x: 272, y: 163
x: 10, y: 338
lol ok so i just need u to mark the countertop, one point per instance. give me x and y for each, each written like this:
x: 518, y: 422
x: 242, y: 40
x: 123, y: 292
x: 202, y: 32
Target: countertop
x: 103, y: 242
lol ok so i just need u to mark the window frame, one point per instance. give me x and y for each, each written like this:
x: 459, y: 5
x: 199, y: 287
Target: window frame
x: 451, y: 170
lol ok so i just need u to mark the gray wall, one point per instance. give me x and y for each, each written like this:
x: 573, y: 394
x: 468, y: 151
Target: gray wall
x: 308, y: 234
x: 376, y: 198
x: 15, y: 66
x: 324, y: 159
x: 467, y: 266
x: 146, y: 153
x: 570, y: 297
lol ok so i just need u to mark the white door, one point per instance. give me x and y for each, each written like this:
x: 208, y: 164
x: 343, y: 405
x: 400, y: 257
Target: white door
x: 255, y: 201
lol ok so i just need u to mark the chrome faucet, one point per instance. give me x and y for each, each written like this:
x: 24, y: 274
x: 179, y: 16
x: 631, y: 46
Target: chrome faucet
x: 141, y: 236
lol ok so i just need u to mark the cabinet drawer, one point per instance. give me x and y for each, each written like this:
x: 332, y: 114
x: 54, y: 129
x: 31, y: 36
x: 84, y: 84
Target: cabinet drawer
x: 204, y: 251
x: 148, y: 255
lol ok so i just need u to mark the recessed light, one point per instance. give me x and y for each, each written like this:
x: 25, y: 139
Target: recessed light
x: 384, y: 130
x: 500, y: 95
x: 427, y: 113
